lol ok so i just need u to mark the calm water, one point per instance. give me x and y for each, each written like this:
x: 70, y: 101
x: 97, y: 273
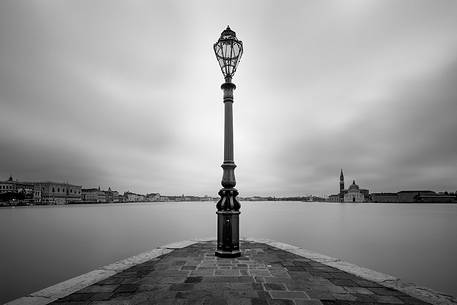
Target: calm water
x: 41, y: 246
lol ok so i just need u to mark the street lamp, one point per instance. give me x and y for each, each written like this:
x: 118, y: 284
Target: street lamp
x: 228, y: 51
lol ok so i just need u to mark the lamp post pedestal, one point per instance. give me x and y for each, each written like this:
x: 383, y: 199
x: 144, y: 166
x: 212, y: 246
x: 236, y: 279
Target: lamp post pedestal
x: 227, y: 228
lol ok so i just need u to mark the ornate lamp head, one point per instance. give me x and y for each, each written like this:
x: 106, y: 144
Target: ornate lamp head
x: 228, y: 51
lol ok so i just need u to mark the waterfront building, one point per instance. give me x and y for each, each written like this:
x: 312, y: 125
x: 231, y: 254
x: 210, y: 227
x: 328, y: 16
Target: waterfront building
x: 17, y: 192
x: 384, y: 197
x: 412, y: 196
x: 93, y: 195
x: 59, y: 193
x: 334, y: 198
x: 27, y: 193
x: 437, y: 198
x: 111, y: 196
x: 36, y: 194
x: 8, y: 186
x: 89, y: 195
x: 132, y: 197
x: 153, y: 197
x: 41, y: 192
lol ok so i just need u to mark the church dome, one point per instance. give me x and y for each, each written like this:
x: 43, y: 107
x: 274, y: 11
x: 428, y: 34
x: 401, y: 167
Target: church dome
x: 353, y: 186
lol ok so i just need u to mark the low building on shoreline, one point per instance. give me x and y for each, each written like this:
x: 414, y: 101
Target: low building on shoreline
x: 384, y: 197
x: 412, y: 196
x: 15, y: 192
x: 93, y: 195
x: 132, y: 197
x: 153, y: 197
x: 59, y: 193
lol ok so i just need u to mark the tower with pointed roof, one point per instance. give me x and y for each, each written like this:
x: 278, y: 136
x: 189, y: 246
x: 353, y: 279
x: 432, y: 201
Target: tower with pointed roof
x: 341, y: 185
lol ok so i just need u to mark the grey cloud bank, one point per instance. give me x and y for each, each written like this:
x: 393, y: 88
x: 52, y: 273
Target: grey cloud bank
x: 127, y: 94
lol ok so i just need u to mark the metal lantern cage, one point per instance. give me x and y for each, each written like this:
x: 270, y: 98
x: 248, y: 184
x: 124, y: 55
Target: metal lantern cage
x: 228, y: 51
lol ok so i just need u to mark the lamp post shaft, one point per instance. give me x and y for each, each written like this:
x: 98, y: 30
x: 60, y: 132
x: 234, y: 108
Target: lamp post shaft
x: 228, y: 177
x: 228, y: 133
x: 228, y: 244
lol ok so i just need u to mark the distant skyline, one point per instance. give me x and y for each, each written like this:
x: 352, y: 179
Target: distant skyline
x: 127, y: 95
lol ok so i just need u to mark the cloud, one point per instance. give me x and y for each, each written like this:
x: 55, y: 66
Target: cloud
x: 127, y: 95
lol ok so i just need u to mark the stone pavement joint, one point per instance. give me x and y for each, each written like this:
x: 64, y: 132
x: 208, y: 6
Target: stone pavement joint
x: 264, y: 274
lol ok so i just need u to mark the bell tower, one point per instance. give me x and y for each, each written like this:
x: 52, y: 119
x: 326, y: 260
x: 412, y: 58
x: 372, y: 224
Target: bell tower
x: 341, y: 185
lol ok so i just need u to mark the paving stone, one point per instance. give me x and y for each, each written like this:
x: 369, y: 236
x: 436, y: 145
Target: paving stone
x: 296, y: 268
x: 110, y: 281
x: 288, y: 294
x: 281, y: 302
x: 104, y: 296
x: 239, y: 301
x: 320, y: 295
x: 131, y: 280
x: 99, y: 288
x: 227, y: 279
x: 259, y: 301
x: 73, y: 303
x: 257, y: 286
x: 274, y: 286
x: 343, y: 282
x: 193, y: 294
x: 279, y: 273
x: 240, y: 293
x: 188, y: 267
x: 122, y: 296
x: 359, y: 290
x: 214, y: 300
x: 365, y: 297
x: 410, y: 300
x: 198, y: 272
x: 216, y: 288
x: 181, y: 287
x: 262, y: 275
x: 227, y: 272
x: 385, y: 291
x: 344, y: 296
x: 163, y: 280
x: 126, y: 288
x: 367, y: 284
x: 388, y: 299
x: 77, y: 297
x: 194, y: 279
x: 241, y: 286
x: 307, y: 302
x: 259, y: 272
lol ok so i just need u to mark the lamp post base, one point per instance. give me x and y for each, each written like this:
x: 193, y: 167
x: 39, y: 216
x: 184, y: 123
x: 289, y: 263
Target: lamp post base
x: 228, y: 254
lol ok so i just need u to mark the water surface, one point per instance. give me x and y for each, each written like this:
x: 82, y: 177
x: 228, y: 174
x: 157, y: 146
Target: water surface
x: 41, y: 246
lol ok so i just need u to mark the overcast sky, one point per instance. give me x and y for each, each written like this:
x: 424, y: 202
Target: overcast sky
x: 126, y: 94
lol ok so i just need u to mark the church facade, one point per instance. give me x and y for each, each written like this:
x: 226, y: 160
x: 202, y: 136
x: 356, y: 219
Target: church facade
x: 353, y: 194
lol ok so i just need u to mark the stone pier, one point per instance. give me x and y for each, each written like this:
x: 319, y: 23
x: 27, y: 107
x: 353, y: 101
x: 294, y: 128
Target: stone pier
x: 268, y: 272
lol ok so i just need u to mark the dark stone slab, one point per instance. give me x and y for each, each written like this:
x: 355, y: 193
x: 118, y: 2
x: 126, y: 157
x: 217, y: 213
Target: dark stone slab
x: 274, y: 286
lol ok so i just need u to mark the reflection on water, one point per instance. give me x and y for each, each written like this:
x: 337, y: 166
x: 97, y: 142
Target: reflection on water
x: 41, y: 246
